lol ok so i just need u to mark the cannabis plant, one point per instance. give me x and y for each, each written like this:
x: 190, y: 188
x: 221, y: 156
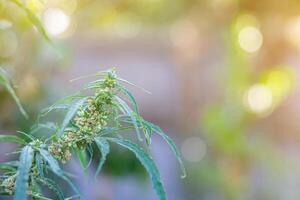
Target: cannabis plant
x: 96, y: 116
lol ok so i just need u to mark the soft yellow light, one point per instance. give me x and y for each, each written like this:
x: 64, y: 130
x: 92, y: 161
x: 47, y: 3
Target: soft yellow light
x: 56, y: 21
x: 250, y: 39
x: 259, y: 99
x: 280, y: 83
x: 35, y: 6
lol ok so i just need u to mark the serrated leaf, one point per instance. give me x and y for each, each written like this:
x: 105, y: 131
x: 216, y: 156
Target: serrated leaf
x: 34, y: 187
x: 63, y: 104
x: 48, y: 126
x: 31, y: 137
x: 104, y: 148
x: 52, y: 162
x: 39, y: 196
x: 131, y: 114
x: 26, y: 160
x: 12, y: 138
x: 131, y: 97
x: 39, y: 164
x: 125, y: 81
x: 82, y: 157
x: 70, y: 114
x: 52, y: 186
x: 5, y: 81
x: 110, y: 130
x: 12, y: 163
x: 156, y: 129
x: 140, y: 122
x: 6, y: 167
x: 55, y: 168
x: 90, y: 150
x: 172, y: 145
x: 147, y: 162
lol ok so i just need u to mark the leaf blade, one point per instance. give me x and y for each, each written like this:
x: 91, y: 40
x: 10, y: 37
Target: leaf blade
x: 54, y: 166
x: 131, y: 114
x: 33, y: 18
x: 172, y: 145
x: 12, y: 138
x: 104, y: 148
x: 5, y: 81
x: 147, y: 162
x: 70, y: 114
x: 52, y: 186
x: 26, y: 160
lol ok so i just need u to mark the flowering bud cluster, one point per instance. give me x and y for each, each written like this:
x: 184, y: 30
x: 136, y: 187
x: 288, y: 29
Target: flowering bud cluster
x: 88, y: 121
x: 9, y: 184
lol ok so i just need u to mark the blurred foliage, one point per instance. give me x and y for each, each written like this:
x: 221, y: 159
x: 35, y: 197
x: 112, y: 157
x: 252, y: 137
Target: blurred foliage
x: 229, y: 126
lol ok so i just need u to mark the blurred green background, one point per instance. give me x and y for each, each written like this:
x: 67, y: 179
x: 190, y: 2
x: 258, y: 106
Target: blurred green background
x: 223, y: 76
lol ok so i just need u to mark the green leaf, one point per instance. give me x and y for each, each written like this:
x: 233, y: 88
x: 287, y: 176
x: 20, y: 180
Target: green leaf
x: 83, y: 159
x: 33, y: 18
x: 55, y: 168
x: 147, y: 162
x: 12, y: 138
x: 170, y: 142
x: 39, y: 196
x: 34, y: 187
x: 6, y: 167
x: 5, y: 81
x: 26, y: 159
x: 141, y: 122
x: 12, y: 163
x: 111, y: 130
x: 104, y: 148
x: 63, y: 104
x: 47, y: 126
x: 30, y: 137
x: 131, y: 97
x: 70, y: 114
x: 125, y: 81
x: 90, y: 150
x: 52, y: 186
x: 131, y: 114
x: 39, y: 164
x: 149, y: 128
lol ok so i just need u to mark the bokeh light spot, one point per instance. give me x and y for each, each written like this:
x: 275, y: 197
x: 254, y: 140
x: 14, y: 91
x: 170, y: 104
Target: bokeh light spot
x: 193, y: 149
x: 292, y: 31
x: 280, y: 83
x: 56, y: 21
x: 250, y: 39
x: 259, y: 99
